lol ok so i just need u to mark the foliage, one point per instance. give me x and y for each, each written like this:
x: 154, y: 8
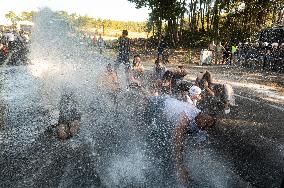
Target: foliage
x: 195, y: 22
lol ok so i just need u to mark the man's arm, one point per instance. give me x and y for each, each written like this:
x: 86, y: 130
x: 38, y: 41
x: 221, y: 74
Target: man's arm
x: 180, y: 132
x: 208, y: 90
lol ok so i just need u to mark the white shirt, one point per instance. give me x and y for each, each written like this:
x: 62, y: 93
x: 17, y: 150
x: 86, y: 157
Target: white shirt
x: 189, y: 100
x: 10, y: 36
x: 174, y: 108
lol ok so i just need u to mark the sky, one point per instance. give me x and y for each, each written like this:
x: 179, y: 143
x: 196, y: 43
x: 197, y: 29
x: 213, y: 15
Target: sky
x: 106, y: 9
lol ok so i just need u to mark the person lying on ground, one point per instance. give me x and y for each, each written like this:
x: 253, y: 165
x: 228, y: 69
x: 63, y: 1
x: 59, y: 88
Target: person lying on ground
x: 69, y: 117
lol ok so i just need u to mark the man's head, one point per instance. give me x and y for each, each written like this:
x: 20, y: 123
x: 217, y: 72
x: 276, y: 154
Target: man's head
x: 124, y: 33
x: 168, y: 75
x: 181, y: 71
x: 195, y: 92
x: 205, y: 121
x: 218, y: 89
x: 109, y: 67
x: 137, y: 59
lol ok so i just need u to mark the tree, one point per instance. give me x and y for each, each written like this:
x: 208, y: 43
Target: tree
x: 27, y: 15
x: 12, y: 16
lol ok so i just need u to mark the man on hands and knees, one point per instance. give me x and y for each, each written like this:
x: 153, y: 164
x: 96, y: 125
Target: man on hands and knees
x: 185, y: 118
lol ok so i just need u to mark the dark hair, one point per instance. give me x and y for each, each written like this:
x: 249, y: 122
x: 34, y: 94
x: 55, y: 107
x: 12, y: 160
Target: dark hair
x: 157, y: 61
x: 137, y: 55
x: 183, y: 87
x: 206, y: 116
x: 207, y: 76
x: 168, y: 75
x: 109, y: 67
x: 125, y: 32
x: 218, y: 88
x: 134, y: 63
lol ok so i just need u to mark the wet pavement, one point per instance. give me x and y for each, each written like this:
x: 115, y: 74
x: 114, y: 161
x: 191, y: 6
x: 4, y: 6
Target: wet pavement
x: 116, y: 145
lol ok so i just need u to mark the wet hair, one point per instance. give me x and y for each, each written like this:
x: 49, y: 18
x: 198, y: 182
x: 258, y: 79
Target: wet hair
x: 183, y: 87
x: 219, y: 88
x: 168, y: 75
x: 134, y: 63
x: 207, y: 76
x: 109, y: 67
x: 157, y: 61
x: 125, y: 32
x: 137, y: 55
x: 181, y: 74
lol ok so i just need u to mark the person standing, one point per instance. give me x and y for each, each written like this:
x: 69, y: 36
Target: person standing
x: 94, y: 40
x: 163, y: 52
x: 234, y: 54
x: 212, y: 48
x: 219, y: 53
x: 123, y: 54
x: 101, y: 44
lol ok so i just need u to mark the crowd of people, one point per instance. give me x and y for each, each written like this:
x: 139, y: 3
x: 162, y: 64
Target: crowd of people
x: 13, y: 47
x: 190, y: 107
x: 262, y: 55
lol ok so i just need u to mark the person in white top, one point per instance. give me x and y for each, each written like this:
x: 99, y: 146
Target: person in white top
x: 191, y: 95
x: 194, y: 95
x: 186, y: 118
x: 10, y: 38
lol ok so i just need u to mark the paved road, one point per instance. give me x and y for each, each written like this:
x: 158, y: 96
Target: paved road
x: 120, y: 148
x: 245, y: 149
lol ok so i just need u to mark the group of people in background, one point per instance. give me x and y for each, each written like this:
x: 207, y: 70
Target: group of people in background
x: 13, y: 47
x: 223, y: 54
x: 99, y: 42
x: 262, y: 55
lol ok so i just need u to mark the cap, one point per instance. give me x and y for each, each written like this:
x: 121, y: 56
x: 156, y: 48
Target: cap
x: 194, y: 90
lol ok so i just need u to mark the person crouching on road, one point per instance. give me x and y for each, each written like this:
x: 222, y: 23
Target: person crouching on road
x: 223, y: 97
x: 189, y: 94
x: 186, y: 118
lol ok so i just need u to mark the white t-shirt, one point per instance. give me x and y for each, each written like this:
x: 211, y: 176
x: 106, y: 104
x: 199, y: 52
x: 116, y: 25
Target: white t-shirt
x: 10, y: 36
x: 189, y: 100
x: 174, y: 108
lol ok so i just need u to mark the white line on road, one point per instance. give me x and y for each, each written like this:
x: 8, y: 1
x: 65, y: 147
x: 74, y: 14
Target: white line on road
x: 254, y: 100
